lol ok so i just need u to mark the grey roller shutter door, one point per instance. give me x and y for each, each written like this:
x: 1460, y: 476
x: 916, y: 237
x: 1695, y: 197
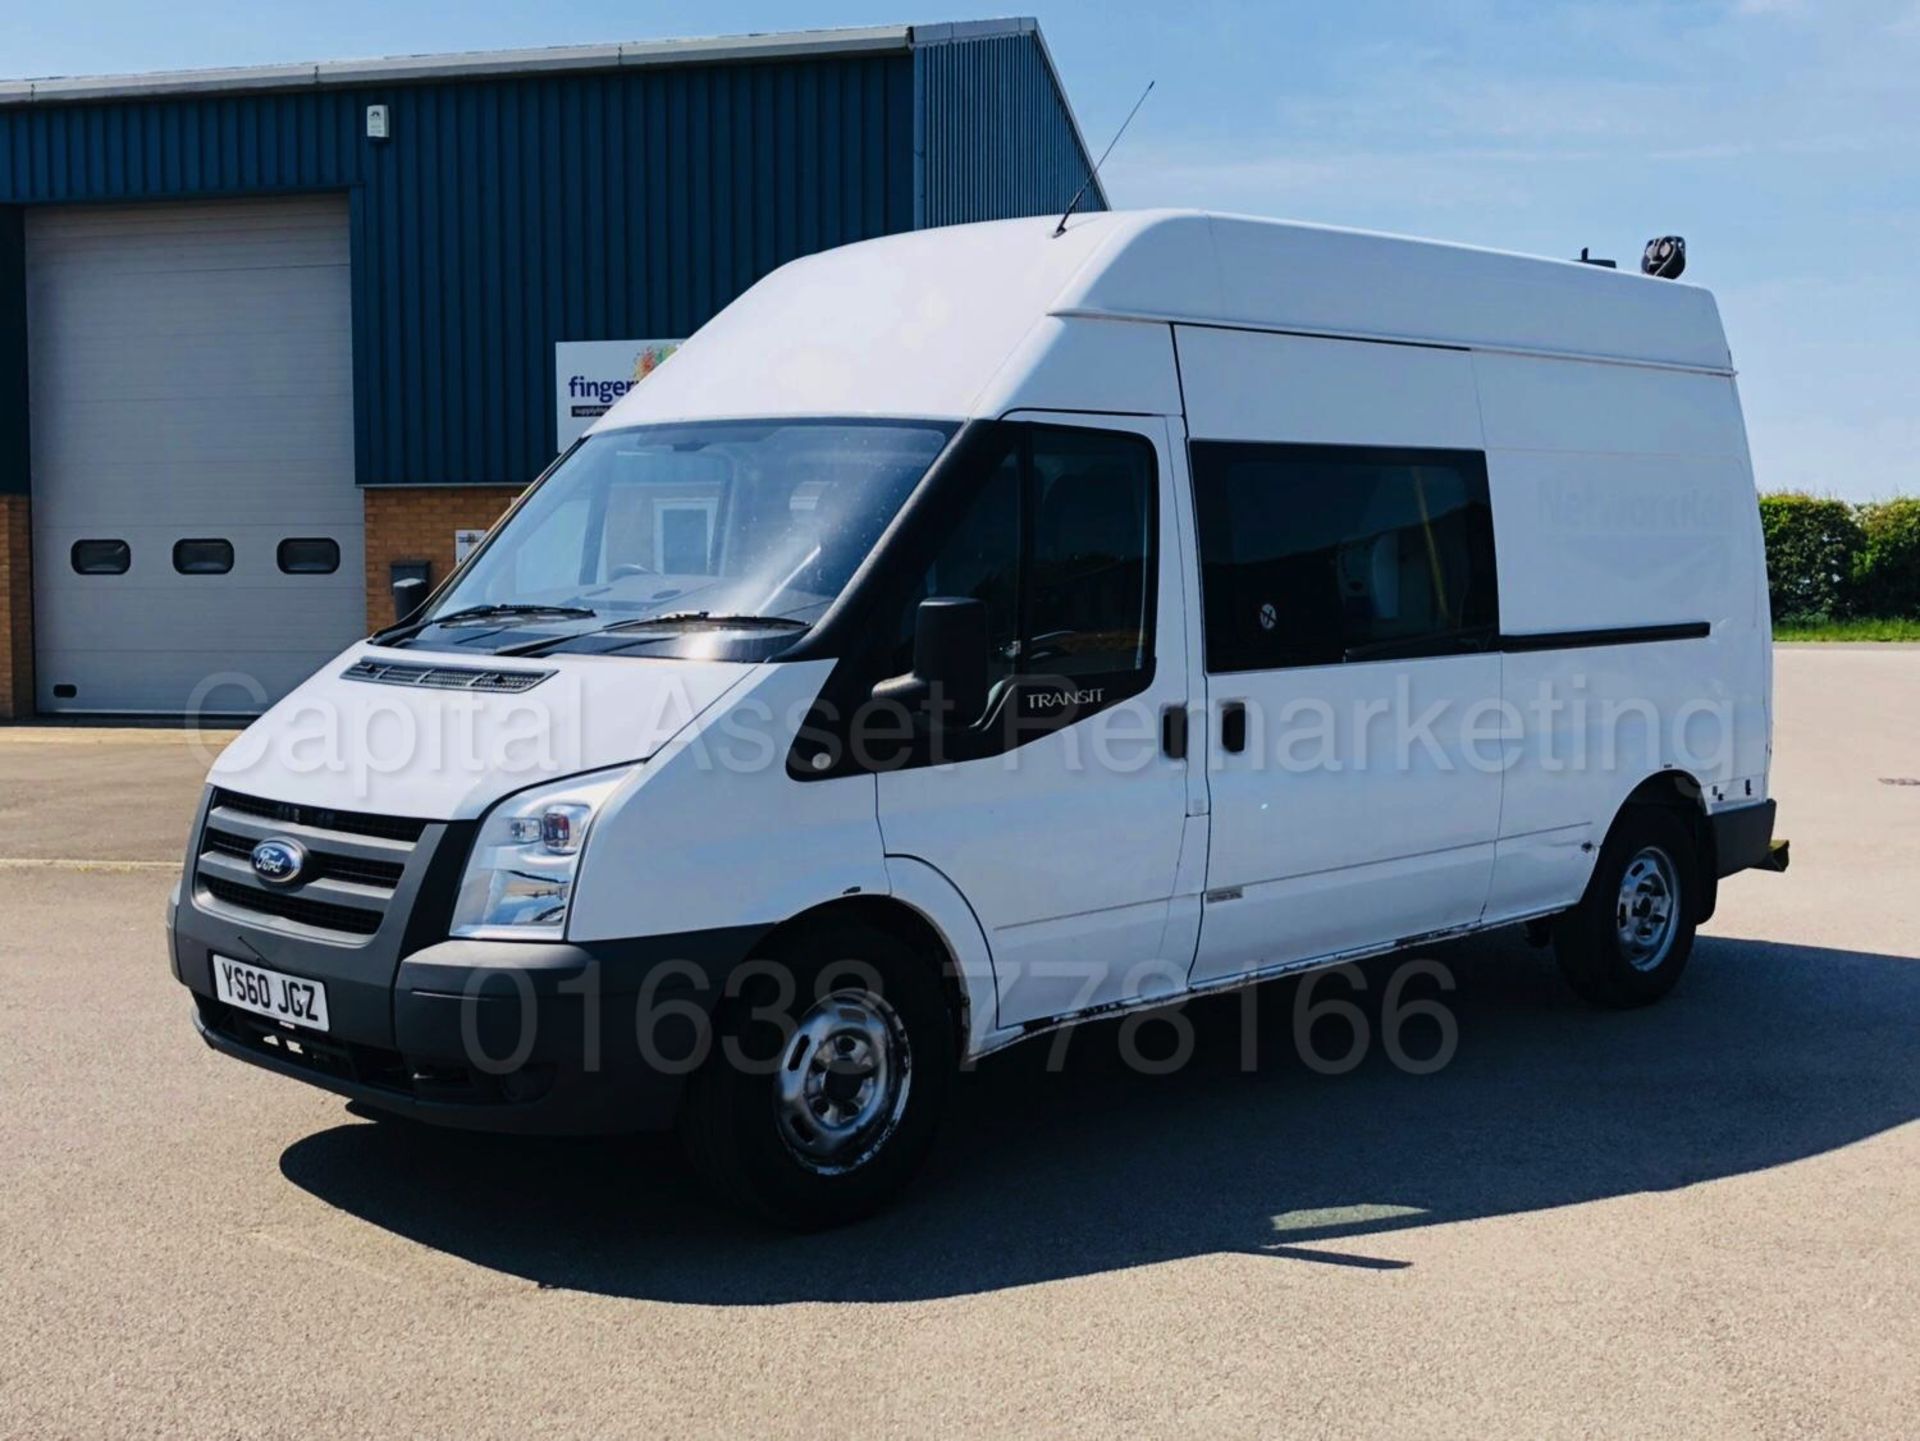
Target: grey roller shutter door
x: 191, y: 381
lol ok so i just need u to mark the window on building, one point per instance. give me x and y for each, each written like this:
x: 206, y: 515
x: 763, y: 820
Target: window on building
x: 683, y: 536
x: 101, y: 557
x: 1058, y: 542
x: 317, y: 555
x: 203, y: 557
x: 1320, y: 555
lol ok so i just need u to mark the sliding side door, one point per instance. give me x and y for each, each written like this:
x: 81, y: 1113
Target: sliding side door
x: 1350, y: 626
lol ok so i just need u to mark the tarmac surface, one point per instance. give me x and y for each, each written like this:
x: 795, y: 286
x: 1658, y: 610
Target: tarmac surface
x: 1703, y: 1218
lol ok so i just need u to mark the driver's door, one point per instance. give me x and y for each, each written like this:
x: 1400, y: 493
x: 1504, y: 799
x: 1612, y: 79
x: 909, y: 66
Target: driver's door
x: 1066, y: 836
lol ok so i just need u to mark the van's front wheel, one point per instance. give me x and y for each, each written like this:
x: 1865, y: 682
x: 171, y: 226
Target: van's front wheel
x: 827, y: 1077
x: 1628, y: 940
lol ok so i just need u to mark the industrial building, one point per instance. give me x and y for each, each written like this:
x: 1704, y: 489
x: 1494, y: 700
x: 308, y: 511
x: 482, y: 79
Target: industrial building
x: 271, y: 338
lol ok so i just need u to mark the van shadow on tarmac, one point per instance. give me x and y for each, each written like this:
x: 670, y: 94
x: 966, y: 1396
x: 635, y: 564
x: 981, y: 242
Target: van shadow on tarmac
x: 1766, y: 1054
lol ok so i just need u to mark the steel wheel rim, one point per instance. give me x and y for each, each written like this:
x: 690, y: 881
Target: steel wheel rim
x: 843, y: 1081
x: 1646, y: 913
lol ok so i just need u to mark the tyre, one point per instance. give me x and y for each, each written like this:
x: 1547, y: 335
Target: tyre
x: 1628, y: 940
x: 826, y: 1080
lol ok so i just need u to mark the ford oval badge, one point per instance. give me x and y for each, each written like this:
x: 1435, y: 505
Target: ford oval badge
x: 279, y: 862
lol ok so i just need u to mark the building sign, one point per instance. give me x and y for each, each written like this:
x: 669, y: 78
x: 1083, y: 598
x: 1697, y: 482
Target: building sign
x: 464, y: 543
x: 590, y: 375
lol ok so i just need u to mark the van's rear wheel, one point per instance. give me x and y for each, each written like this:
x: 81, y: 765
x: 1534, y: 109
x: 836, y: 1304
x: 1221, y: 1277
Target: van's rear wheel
x: 827, y: 1078
x: 1629, y: 939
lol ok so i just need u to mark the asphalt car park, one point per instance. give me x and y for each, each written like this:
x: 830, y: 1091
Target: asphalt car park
x: 1699, y: 1218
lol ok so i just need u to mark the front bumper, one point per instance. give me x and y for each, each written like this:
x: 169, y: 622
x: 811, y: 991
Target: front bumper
x: 522, y: 1037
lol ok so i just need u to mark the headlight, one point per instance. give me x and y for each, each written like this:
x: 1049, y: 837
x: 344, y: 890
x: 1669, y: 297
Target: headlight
x: 519, y: 879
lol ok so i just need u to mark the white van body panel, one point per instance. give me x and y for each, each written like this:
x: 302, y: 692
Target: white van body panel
x: 712, y: 832
x: 1115, y: 367
x: 1621, y: 497
x: 913, y: 325
x: 1317, y: 280
x: 436, y: 754
x: 1243, y: 385
x: 1385, y: 840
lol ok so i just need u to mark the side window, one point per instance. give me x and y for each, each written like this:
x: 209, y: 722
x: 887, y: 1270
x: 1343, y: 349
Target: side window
x: 980, y: 559
x: 1318, y: 555
x: 1087, y: 592
x: 1058, y: 542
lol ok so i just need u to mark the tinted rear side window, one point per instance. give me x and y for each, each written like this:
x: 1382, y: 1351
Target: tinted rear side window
x: 203, y: 557
x: 101, y: 557
x: 1320, y: 555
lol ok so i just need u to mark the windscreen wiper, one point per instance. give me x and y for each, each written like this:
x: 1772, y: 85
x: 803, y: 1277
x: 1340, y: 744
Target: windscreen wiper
x: 660, y: 622
x: 683, y: 617
x: 482, y: 612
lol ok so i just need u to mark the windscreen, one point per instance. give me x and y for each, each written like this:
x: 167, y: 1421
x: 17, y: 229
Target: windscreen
x: 734, y: 518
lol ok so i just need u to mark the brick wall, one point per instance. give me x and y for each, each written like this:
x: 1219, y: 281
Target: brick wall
x: 417, y: 522
x: 16, y: 609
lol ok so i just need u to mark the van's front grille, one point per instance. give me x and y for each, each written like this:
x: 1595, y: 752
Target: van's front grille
x: 399, y: 828
x: 353, y: 864
x: 340, y: 868
x: 320, y: 915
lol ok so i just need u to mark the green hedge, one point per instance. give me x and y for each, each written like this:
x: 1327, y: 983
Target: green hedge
x: 1886, y: 572
x: 1831, y: 560
x: 1814, y: 547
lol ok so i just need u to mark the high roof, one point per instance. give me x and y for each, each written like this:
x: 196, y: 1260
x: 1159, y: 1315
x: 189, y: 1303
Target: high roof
x: 783, y: 45
x: 946, y: 322
x: 1322, y: 280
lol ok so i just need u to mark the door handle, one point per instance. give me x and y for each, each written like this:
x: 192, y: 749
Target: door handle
x: 1173, y: 731
x: 1233, y: 726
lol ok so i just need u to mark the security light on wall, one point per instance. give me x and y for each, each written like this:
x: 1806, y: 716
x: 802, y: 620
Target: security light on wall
x: 376, y: 122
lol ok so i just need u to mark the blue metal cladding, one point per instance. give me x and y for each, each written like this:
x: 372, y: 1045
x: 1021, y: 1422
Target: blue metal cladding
x: 995, y: 135
x: 510, y: 212
x: 505, y: 215
x: 524, y: 212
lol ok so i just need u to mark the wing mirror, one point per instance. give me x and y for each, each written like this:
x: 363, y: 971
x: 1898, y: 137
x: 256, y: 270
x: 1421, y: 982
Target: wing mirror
x: 948, y: 683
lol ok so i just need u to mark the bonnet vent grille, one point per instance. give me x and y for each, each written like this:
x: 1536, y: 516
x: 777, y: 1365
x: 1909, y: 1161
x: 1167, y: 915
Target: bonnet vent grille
x: 444, y: 677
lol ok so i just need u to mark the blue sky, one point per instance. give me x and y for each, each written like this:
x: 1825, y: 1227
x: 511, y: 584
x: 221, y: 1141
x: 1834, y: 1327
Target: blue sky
x: 1781, y: 137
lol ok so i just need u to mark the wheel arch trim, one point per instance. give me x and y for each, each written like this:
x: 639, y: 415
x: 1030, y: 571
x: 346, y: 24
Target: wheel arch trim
x: 926, y: 891
x: 1681, y: 791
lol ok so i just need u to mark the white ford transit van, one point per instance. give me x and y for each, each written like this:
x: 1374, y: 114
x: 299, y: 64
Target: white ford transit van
x: 978, y: 630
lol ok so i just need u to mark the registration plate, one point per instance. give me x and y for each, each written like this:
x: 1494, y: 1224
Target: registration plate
x: 270, y: 993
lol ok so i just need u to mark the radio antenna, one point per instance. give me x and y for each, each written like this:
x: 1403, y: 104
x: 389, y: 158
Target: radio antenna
x: 1094, y: 174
